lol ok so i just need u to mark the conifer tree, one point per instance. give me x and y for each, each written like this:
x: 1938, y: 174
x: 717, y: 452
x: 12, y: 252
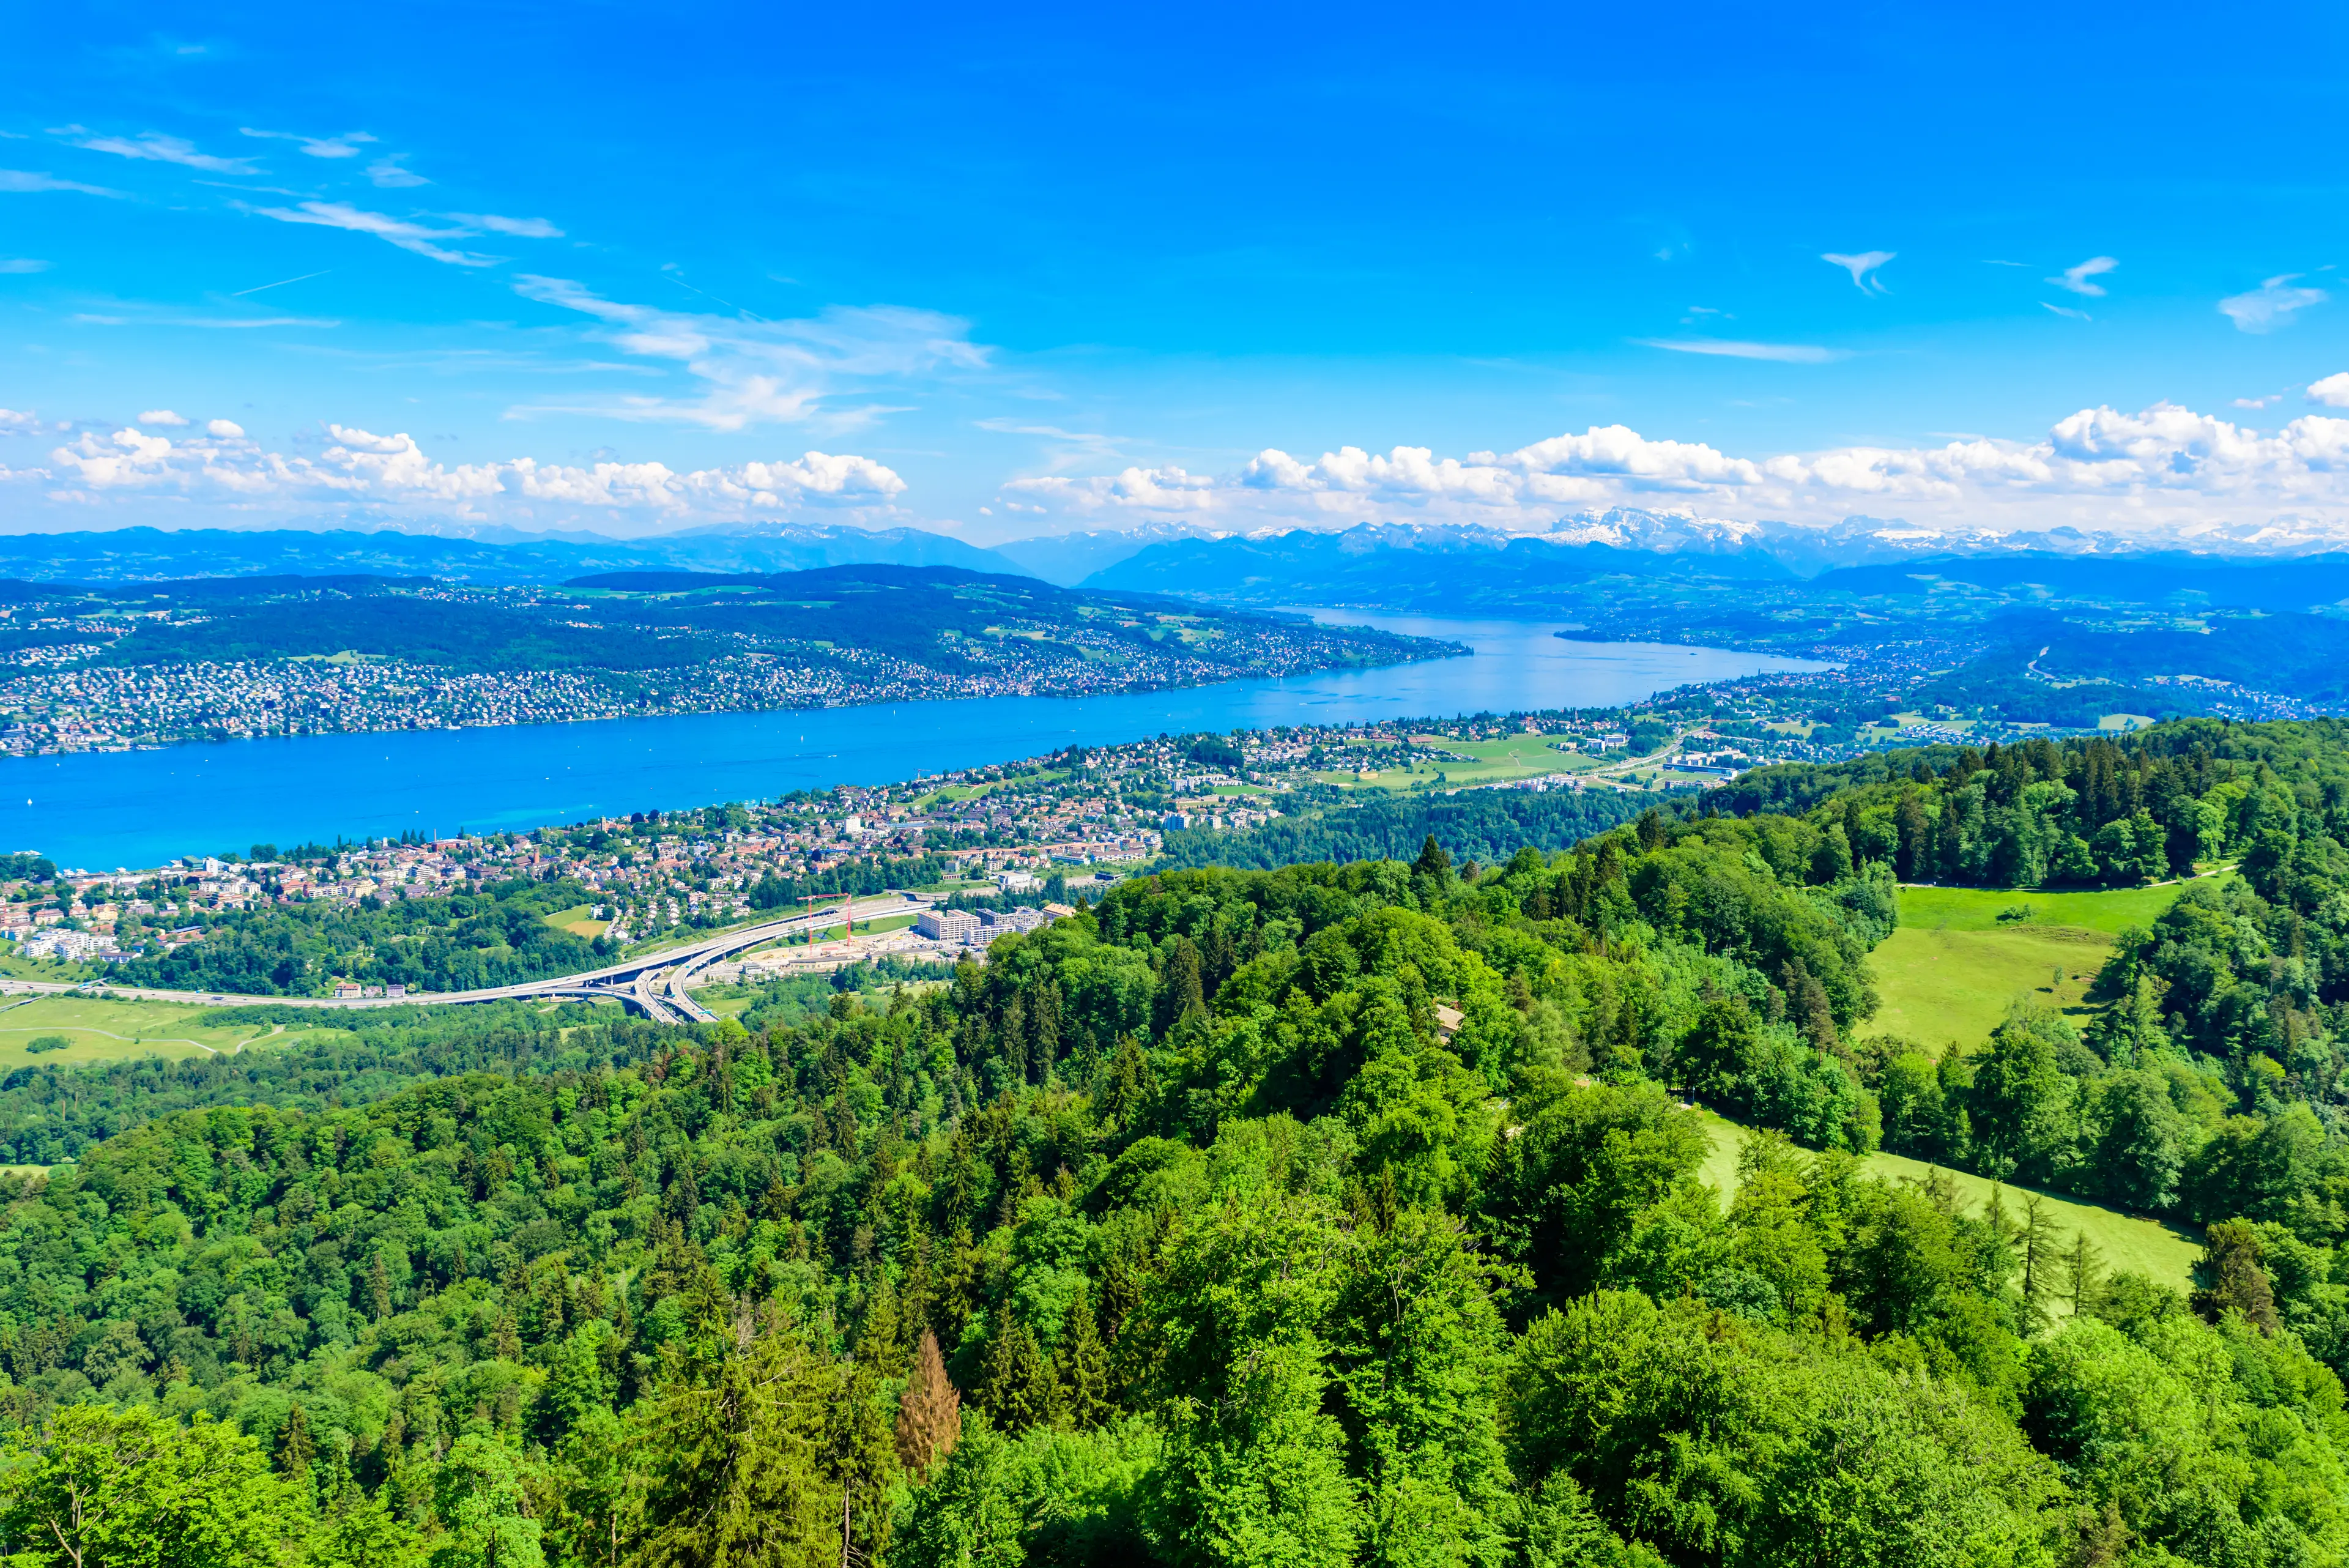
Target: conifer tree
x: 1019, y: 1389
x: 295, y: 1449
x: 929, y: 1414
x: 736, y: 1444
x: 1083, y: 1368
x: 2036, y: 1236
x: 2083, y: 1271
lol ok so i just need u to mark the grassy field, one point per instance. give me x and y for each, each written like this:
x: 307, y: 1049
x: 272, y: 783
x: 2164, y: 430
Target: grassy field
x: 576, y: 921
x: 1939, y: 988
x: 1488, y: 762
x: 1978, y: 909
x: 1950, y: 971
x: 2129, y: 1244
x: 99, y: 1029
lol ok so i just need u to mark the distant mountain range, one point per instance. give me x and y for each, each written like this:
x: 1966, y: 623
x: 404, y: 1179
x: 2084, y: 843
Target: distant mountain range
x: 1395, y: 565
x: 145, y: 554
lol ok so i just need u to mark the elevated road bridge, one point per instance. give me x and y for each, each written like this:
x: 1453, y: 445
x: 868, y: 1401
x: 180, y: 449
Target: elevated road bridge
x: 652, y: 984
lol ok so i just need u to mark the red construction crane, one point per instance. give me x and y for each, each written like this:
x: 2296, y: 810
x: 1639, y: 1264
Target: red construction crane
x: 848, y: 908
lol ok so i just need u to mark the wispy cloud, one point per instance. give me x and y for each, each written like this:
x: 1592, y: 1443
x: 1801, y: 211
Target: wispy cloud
x: 2067, y: 310
x: 24, y: 264
x: 154, y: 146
x: 1730, y: 348
x: 220, y: 323
x: 1862, y: 268
x: 400, y: 231
x: 389, y: 175
x: 25, y: 179
x: 2076, y: 279
x: 344, y: 146
x: 1071, y: 447
x: 525, y: 228
x: 765, y: 372
x: 409, y: 234
x: 2272, y: 305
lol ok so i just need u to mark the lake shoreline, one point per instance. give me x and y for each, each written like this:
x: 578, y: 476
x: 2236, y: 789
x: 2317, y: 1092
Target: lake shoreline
x: 105, y: 809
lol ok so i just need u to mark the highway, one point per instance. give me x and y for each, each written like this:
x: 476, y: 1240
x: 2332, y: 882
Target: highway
x: 652, y: 983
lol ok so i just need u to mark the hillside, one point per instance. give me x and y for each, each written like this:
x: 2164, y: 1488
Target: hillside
x: 1235, y: 1218
x: 279, y: 655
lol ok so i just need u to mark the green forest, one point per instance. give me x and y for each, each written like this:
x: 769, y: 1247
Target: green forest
x: 1317, y: 1214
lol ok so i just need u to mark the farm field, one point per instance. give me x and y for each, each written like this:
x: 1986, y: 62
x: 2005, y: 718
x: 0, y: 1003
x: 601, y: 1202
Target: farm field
x: 2129, y: 1244
x: 100, y: 1029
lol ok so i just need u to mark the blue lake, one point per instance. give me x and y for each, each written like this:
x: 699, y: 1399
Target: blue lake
x: 104, y: 809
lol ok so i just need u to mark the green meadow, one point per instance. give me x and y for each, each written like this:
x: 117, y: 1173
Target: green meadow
x: 2127, y: 1243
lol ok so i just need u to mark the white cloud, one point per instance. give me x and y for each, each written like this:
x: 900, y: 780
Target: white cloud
x: 2067, y: 310
x: 2099, y: 465
x: 23, y: 264
x: 2332, y: 392
x: 153, y: 146
x: 527, y: 228
x: 161, y: 417
x: 15, y: 421
x: 2270, y: 306
x: 228, y: 323
x: 400, y: 231
x: 1788, y: 353
x: 26, y: 180
x: 2076, y: 279
x: 344, y: 146
x: 1862, y: 268
x: 389, y: 175
x: 362, y: 468
x: 765, y: 372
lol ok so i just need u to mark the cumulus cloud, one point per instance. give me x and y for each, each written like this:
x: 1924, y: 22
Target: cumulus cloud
x: 1730, y: 348
x: 392, y: 471
x: 2270, y: 306
x: 2166, y: 462
x: 2076, y: 279
x: 1862, y: 268
x: 15, y: 421
x: 160, y: 417
x: 2332, y: 392
x: 763, y: 372
x: 154, y: 146
x: 25, y: 181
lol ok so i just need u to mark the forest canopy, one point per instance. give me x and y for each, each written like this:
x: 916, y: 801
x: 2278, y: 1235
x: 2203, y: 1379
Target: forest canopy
x: 1319, y: 1214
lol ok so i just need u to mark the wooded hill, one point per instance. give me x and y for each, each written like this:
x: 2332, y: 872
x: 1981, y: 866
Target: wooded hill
x: 1315, y: 1215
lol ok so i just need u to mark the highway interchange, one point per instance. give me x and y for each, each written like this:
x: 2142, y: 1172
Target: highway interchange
x: 652, y: 984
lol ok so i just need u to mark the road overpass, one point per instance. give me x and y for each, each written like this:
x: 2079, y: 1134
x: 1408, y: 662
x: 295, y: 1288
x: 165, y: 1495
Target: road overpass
x: 652, y: 984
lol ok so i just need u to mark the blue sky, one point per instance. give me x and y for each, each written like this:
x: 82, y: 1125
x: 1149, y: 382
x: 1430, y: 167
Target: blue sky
x: 635, y: 267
